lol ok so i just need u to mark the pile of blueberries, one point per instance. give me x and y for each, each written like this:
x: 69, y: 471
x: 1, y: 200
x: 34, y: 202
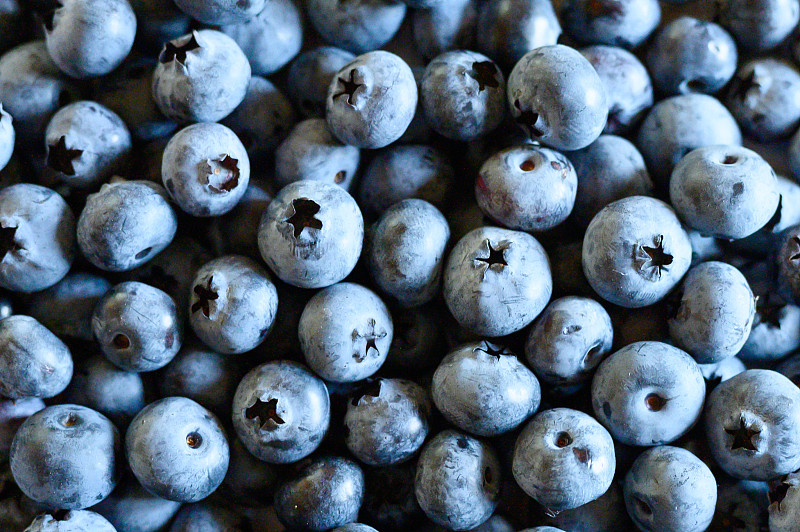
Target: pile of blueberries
x: 383, y: 265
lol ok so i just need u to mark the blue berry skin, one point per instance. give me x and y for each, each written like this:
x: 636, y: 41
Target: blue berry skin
x: 607, y: 512
x: 13, y: 412
x: 205, y: 169
x: 271, y: 38
x: 100, y: 385
x: 690, y: 55
x: 405, y: 251
x: 564, y: 459
x: 89, y: 38
x: 33, y: 361
x: 262, y: 120
x: 775, y: 332
x: 72, y: 521
x: 86, y: 144
x: 671, y: 490
x: 39, y: 238
x: 201, y: 77
x: 764, y: 97
x: 511, y: 29
x: 608, y: 169
x: 569, y: 340
x: 311, y: 152
x: 357, y: 27
x: 557, y: 98
x: 721, y: 371
x: 355, y: 527
x: 219, y: 12
x: 635, y: 251
x: 463, y: 95
x: 281, y: 412
x: 458, y: 480
x: 249, y: 480
x: 629, y: 90
x: 310, y: 75
x: 209, y: 516
x: 177, y: 449
x: 648, y: 393
x: 311, y: 234
x: 527, y: 187
x: 350, y: 344
x: 759, y: 25
x: 31, y: 89
x: 496, y: 281
x: 483, y: 389
x: 131, y: 508
x: 233, y: 304
x: 137, y: 327
x: 7, y: 137
x: 125, y: 224
x: 387, y: 421
x: 787, y: 214
x: 751, y: 422
x: 203, y: 376
x: 448, y: 25
x: 371, y: 100
x: 715, y: 313
x: 49, y: 457
x: 406, y: 171
x: 677, y: 125
x: 626, y: 23
x: 784, y: 508
x: 724, y: 191
x: 326, y: 493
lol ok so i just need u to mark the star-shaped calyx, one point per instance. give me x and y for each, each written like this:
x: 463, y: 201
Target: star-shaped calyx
x: 303, y: 215
x: 485, y: 73
x: 60, y: 158
x: 348, y: 87
x: 205, y: 295
x: 528, y: 120
x: 173, y: 52
x: 494, y: 258
x: 653, y: 260
x: 742, y: 86
x: 492, y: 349
x: 769, y: 311
x: 795, y: 256
x: 743, y: 436
x: 370, y: 339
x: 371, y: 389
x: 8, y: 241
x: 223, y: 173
x: 264, y: 411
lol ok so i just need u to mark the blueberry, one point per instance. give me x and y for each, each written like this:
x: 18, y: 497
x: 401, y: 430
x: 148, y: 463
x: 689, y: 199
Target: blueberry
x: 371, y: 100
x: 311, y: 152
x: 233, y: 304
x: 463, y: 95
x: 724, y: 191
x: 764, y: 97
x: 406, y: 171
x: 751, y: 422
x: 607, y: 512
x: 629, y: 91
x: 787, y: 259
x: 784, y: 508
x: 89, y: 38
x: 177, y: 449
x: 13, y: 412
x: 281, y: 412
x: 691, y: 55
x: 358, y: 26
x: 405, y: 251
x: 201, y: 77
x: 759, y: 25
x: 351, y: 343
x: 33, y: 361
x: 71, y: 521
x: 38, y: 238
x: 741, y: 504
x: 219, y: 12
x: 7, y: 137
x: 125, y: 224
x: 557, y: 98
x: 49, y: 457
x: 387, y: 421
x: 458, y: 480
x: 564, y: 459
x: 527, y: 187
x: 496, y: 281
x: 635, y: 251
x: 355, y: 527
x: 766, y: 239
x: 669, y: 489
x: 447, y: 25
x: 721, y: 371
x: 775, y: 332
x: 625, y: 23
x: 130, y: 508
x: 711, y: 337
x: 510, y: 29
x: 309, y: 76
x: 102, y: 386
x: 326, y: 493
x: 648, y: 393
x: 205, y: 516
x: 483, y: 389
x: 311, y: 234
x: 677, y: 125
x: 269, y: 38
x: 205, y: 169
x: 569, y: 340
x: 249, y: 480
